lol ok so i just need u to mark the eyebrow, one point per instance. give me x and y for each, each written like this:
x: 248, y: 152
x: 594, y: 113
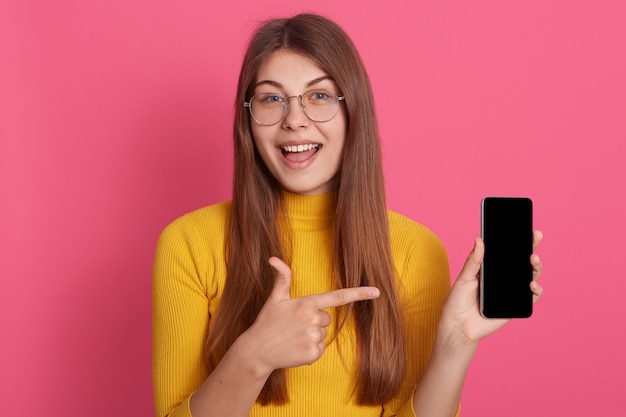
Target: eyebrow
x: 279, y: 85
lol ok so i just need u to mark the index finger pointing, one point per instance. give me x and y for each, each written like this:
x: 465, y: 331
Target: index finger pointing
x: 345, y: 296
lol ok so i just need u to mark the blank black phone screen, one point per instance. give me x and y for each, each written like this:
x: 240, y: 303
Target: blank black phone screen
x: 506, y: 270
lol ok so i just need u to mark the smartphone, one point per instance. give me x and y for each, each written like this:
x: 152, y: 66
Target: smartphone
x: 506, y: 273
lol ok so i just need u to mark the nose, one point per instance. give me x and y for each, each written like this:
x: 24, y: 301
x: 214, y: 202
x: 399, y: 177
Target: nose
x: 295, y: 117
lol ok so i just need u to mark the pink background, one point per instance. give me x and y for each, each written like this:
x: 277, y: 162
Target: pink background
x: 116, y: 115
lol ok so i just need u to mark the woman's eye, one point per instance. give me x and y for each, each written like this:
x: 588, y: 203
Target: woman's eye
x: 272, y: 98
x: 319, y: 95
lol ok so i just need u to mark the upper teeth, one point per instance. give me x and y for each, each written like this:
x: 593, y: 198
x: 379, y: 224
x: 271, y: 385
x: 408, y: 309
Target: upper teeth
x: 300, y: 148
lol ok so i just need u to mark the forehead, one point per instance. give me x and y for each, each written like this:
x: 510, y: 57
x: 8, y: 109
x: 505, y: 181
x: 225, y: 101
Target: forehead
x: 289, y: 70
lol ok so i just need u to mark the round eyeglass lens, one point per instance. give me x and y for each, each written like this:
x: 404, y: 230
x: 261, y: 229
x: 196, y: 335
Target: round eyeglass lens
x: 319, y: 105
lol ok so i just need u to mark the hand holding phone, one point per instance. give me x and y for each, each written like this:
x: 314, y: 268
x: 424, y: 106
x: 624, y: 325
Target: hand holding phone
x: 506, y: 271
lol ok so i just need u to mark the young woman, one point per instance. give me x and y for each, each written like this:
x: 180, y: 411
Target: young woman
x: 304, y: 295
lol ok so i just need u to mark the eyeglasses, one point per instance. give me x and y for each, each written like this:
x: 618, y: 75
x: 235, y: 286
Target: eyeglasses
x: 318, y: 105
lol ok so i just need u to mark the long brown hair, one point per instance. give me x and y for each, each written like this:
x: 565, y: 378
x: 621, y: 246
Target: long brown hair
x: 361, y: 242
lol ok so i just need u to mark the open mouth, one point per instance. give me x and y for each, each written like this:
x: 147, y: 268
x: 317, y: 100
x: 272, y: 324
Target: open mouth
x: 299, y: 153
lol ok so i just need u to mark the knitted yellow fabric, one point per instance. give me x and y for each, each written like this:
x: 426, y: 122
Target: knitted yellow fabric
x: 189, y: 275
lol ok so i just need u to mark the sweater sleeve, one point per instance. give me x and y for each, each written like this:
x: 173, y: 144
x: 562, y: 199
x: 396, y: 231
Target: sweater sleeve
x: 180, y: 316
x: 424, y: 283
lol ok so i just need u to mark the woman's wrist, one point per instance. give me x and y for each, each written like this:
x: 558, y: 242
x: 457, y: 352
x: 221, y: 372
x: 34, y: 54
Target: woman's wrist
x: 451, y: 339
x: 243, y: 351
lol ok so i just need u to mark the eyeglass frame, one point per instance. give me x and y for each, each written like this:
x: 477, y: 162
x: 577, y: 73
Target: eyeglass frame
x: 248, y: 104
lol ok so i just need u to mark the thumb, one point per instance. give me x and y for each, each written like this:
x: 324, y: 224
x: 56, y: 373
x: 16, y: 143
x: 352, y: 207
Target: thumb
x: 472, y: 265
x: 282, y: 279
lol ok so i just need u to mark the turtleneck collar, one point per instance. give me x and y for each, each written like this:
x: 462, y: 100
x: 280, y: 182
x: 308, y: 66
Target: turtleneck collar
x: 310, y: 211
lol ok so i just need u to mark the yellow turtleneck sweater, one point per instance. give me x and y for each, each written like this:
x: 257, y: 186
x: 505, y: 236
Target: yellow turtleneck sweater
x: 189, y: 276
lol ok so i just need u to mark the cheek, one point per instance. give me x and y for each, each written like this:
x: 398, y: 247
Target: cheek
x: 261, y: 147
x: 259, y: 140
x: 338, y: 135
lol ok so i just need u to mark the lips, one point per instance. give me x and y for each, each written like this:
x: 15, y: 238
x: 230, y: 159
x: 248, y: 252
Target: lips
x: 301, y: 152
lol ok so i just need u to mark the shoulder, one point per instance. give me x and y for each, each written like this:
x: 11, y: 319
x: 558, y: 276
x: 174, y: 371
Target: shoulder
x: 206, y: 216
x: 408, y: 234
x: 417, y: 250
x: 191, y: 248
x: 197, y: 230
x: 201, y: 220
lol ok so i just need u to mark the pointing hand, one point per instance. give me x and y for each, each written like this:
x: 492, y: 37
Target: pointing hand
x: 291, y: 332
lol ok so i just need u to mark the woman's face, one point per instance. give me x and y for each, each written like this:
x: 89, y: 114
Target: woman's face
x: 304, y: 156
